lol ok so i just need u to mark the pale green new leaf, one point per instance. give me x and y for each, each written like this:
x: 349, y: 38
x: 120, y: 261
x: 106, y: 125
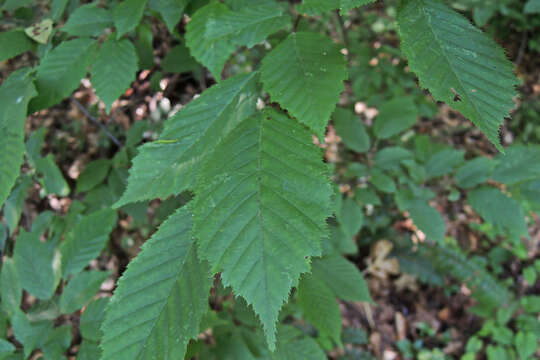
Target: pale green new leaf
x: 170, y: 10
x: 319, y: 306
x: 260, y: 210
x: 458, y: 63
x: 15, y: 93
x: 61, y: 70
x: 169, y: 166
x: 13, y: 43
x: 498, y: 209
x: 88, y: 20
x: 37, y: 264
x: 160, y: 299
x: 114, y: 70
x: 127, y: 15
x: 215, y: 30
x: 342, y: 277
x: 81, y: 289
x: 305, y: 74
x: 319, y: 7
x: 86, y: 240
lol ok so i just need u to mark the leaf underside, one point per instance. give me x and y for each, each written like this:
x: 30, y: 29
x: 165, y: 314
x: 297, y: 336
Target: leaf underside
x: 260, y: 210
x: 458, y: 63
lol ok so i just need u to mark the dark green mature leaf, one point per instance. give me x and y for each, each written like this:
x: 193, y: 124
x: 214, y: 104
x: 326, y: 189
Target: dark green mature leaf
x: 318, y: 7
x: 114, y: 70
x: 351, y: 130
x: 61, y: 70
x: 427, y: 219
x: 52, y: 180
x: 58, y: 341
x: 305, y: 74
x: 86, y: 240
x: 179, y: 60
x: 15, y: 93
x: 93, y: 174
x: 81, y: 289
x: 350, y: 217
x: 319, y: 306
x: 458, y: 63
x: 498, y: 209
x: 170, y: 10
x: 92, y: 318
x: 57, y: 9
x: 394, y: 117
x: 10, y: 287
x: 444, y: 162
x: 6, y: 348
x: 37, y: 264
x: 127, y: 15
x: 89, y: 350
x: 260, y: 210
x: 169, y: 166
x: 14, y: 43
x: 31, y: 335
x: 342, y: 277
x: 88, y: 20
x: 160, y: 299
x: 214, y: 30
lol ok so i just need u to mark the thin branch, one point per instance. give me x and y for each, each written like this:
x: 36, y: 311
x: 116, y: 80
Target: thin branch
x: 94, y: 120
x: 522, y: 47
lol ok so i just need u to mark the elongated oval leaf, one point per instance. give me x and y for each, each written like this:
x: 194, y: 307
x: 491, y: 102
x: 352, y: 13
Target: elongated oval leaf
x: 88, y: 20
x: 127, y: 15
x: 260, y: 210
x: 458, y: 63
x: 305, y: 74
x: 169, y: 166
x: 160, y: 299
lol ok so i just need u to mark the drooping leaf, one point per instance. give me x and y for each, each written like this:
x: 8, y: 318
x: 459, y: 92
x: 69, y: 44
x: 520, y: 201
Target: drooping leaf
x: 88, y: 20
x: 305, y: 75
x: 61, y: 70
x: 114, y: 70
x: 260, y: 210
x: 342, y: 277
x: 319, y: 306
x: 37, y: 264
x: 127, y: 15
x: 498, y: 209
x: 160, y: 298
x: 169, y: 166
x: 351, y: 130
x: 81, y: 289
x: 86, y: 240
x: 15, y: 93
x: 170, y: 10
x: 458, y: 63
x: 394, y: 117
x: 14, y: 43
x: 214, y: 30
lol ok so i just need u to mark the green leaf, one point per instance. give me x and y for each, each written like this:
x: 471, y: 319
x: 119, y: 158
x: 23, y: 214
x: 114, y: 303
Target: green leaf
x: 390, y: 158
x: 474, y: 172
x: 260, y: 210
x: 37, y: 264
x: 170, y: 10
x: 6, y: 348
x: 291, y: 345
x: 179, y: 60
x: 169, y: 166
x: 15, y: 93
x: 394, y: 117
x: 319, y: 306
x: 127, y: 15
x: 86, y: 240
x: 89, y: 350
x: 14, y: 43
x: 214, y: 30
x: 30, y: 334
x: 10, y: 287
x: 443, y: 162
x: 52, y: 179
x: 526, y: 344
x: 114, y: 70
x: 532, y: 7
x: 14, y: 203
x: 61, y: 70
x: 88, y: 20
x: 350, y: 217
x: 351, y: 130
x: 93, y: 174
x: 458, y: 63
x: 498, y: 209
x: 81, y: 289
x: 427, y: 219
x: 342, y: 277
x: 57, y: 9
x: 305, y: 74
x: 382, y: 181
x: 160, y: 298
x: 57, y: 343
x: 519, y: 164
x: 319, y: 7
x: 92, y: 318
